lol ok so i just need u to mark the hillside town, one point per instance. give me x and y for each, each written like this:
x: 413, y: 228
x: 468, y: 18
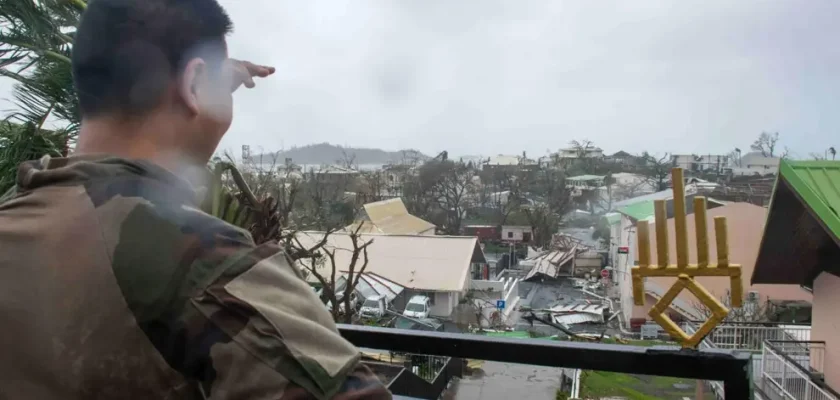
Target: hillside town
x: 514, y: 246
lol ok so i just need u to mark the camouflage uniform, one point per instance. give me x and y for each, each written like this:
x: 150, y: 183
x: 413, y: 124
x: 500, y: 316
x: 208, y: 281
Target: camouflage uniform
x: 116, y: 287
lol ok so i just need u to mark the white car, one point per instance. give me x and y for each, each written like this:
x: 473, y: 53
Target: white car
x: 374, y: 307
x: 417, y: 307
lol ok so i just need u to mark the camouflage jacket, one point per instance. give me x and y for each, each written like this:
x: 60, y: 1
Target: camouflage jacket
x: 117, y: 287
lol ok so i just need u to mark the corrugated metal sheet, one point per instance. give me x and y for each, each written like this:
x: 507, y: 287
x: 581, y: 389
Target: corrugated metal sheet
x: 372, y: 285
x: 549, y: 263
x: 577, y: 318
x: 818, y: 183
x: 391, y: 217
x: 578, y: 307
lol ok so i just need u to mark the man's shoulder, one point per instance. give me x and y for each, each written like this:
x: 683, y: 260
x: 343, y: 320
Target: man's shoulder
x: 139, y: 209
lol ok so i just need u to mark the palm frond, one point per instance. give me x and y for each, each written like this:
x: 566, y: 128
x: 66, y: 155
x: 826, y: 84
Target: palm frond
x: 37, y: 28
x: 21, y: 142
x: 35, y: 46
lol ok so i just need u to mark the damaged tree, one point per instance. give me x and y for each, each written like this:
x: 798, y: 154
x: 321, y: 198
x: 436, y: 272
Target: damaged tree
x: 323, y: 264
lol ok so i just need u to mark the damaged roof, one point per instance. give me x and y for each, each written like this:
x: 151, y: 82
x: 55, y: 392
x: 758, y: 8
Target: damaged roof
x: 391, y: 217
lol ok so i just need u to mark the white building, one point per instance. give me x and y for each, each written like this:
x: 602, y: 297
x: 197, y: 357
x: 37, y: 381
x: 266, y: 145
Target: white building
x: 519, y: 234
x: 585, y: 181
x: 574, y: 153
x: 439, y: 267
x: 698, y: 162
x: 755, y: 163
x: 627, y: 185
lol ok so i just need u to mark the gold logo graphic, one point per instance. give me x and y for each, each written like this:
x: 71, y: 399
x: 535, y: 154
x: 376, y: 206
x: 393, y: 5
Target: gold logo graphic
x: 682, y: 270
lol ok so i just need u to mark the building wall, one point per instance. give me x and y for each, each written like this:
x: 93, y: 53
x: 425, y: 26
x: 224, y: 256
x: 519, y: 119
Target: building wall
x: 706, y: 161
x: 443, y: 304
x: 623, y: 263
x: 826, y: 323
x: 516, y: 233
x: 744, y: 226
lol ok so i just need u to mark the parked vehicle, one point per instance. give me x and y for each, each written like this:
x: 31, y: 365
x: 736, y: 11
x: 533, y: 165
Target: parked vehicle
x: 418, y: 307
x: 354, y: 303
x: 425, y: 324
x: 374, y: 306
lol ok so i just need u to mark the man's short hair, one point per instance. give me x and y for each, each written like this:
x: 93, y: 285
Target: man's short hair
x: 127, y: 52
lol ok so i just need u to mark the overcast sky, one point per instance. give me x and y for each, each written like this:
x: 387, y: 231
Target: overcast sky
x: 501, y: 76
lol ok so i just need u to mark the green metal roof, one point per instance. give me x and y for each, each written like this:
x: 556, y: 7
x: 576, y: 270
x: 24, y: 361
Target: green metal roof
x: 639, y: 211
x: 818, y: 184
x: 613, y: 218
x: 800, y: 239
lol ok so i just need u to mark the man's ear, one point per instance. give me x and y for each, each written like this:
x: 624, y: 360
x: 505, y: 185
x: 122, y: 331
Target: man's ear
x: 191, y: 79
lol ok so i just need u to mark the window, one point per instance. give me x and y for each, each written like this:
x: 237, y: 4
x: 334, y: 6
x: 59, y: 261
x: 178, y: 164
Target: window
x: 416, y: 307
x: 510, y: 234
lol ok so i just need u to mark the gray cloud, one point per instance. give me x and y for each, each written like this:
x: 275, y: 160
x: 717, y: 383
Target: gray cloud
x: 493, y: 76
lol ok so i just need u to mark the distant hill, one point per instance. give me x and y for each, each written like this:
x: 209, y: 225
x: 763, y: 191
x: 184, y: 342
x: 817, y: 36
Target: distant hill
x: 325, y: 153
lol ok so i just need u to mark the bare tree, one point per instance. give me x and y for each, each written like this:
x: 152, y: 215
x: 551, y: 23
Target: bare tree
x: 505, y: 195
x: 735, y: 157
x: 766, y: 144
x: 658, y: 170
x: 373, y: 186
x: 551, y: 201
x: 452, y: 193
x: 631, y: 189
x: 347, y: 160
x: 833, y: 152
x: 582, y: 149
x: 441, y: 192
x: 751, y: 311
x: 607, y: 195
x: 338, y: 281
x: 323, y: 201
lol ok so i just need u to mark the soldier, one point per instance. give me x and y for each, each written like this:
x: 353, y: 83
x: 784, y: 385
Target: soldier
x: 115, y: 286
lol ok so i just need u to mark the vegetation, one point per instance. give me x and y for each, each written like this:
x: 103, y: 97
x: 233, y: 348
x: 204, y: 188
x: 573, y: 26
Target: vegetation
x: 35, y: 44
x: 766, y: 144
x: 597, y: 384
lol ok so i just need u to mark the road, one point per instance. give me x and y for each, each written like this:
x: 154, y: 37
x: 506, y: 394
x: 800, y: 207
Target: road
x: 504, y: 381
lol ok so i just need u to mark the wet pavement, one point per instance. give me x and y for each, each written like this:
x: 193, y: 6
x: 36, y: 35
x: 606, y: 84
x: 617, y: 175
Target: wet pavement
x: 505, y: 381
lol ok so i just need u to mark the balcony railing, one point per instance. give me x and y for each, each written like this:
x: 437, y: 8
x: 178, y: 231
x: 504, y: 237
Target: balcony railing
x: 793, y: 370
x: 733, y: 368
x: 747, y: 337
x: 751, y: 336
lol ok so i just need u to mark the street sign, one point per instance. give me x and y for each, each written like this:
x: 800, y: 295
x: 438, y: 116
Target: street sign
x: 605, y: 273
x: 500, y: 304
x: 623, y: 249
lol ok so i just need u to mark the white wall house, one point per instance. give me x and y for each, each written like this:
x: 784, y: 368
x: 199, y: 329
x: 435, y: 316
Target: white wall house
x: 436, y: 266
x: 627, y: 185
x: 515, y: 233
x: 755, y: 163
x: 700, y: 162
x: 592, y: 152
